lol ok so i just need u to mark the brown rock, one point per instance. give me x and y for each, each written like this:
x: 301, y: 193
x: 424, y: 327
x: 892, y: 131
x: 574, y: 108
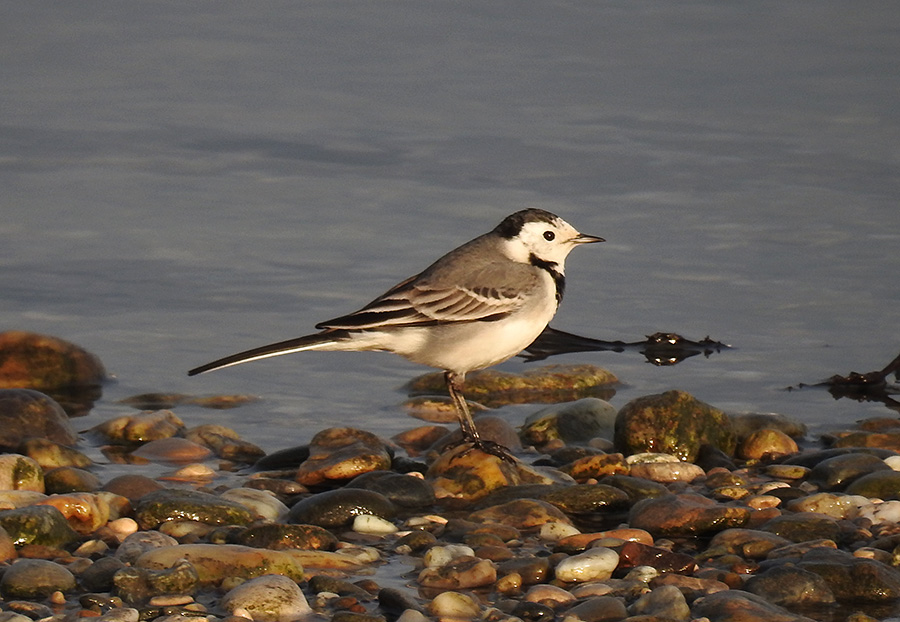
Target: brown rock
x: 521, y: 514
x: 468, y: 473
x: 338, y: 454
x: 25, y: 413
x: 66, y: 372
x: 685, y: 515
x: 767, y: 444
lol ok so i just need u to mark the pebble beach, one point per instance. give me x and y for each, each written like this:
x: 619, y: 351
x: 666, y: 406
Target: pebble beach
x: 664, y: 509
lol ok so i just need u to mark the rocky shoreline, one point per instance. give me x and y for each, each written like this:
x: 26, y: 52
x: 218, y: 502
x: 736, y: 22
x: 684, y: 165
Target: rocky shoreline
x: 667, y: 509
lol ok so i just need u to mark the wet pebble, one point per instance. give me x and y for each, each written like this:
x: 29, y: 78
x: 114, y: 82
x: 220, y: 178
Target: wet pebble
x: 837, y: 472
x: 587, y: 498
x: 37, y: 524
x: 281, y: 536
x: 171, y: 504
x: 215, y: 562
x: 766, y: 444
x: 35, y: 579
x: 666, y: 602
x: 25, y: 413
x: 685, y: 515
x: 65, y: 479
x: 139, y: 428
x: 454, y: 606
x: 405, y: 491
x: 338, y: 508
x: 18, y: 472
x: 881, y: 484
x: 270, y: 598
x: 790, y: 586
x: 674, y: 422
x: 597, y: 609
x: 595, y: 564
x: 173, y: 449
x: 460, y: 573
x: 521, y: 514
x: 804, y: 526
x: 340, y: 454
x: 261, y: 503
x: 572, y: 422
x: 737, y: 604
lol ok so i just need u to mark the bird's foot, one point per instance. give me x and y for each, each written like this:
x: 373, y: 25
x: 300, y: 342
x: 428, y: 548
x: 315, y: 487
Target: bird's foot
x: 488, y: 447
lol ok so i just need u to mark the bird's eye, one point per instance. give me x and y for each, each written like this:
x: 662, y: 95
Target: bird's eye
x: 549, y: 236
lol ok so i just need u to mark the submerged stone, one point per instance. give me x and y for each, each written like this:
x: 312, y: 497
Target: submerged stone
x: 549, y: 384
x: 66, y: 372
x: 25, y: 413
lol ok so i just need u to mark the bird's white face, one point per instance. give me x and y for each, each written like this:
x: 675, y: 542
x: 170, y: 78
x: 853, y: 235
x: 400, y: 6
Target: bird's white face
x: 549, y: 241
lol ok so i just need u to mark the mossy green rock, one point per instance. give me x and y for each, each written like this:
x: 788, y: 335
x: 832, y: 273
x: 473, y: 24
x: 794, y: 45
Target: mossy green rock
x: 675, y: 423
x: 18, y: 472
x: 174, y: 504
x: 548, y: 384
x: 215, y: 562
x: 37, y: 524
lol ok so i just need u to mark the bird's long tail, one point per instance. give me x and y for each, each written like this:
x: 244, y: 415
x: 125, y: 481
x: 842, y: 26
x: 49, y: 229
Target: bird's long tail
x: 326, y: 340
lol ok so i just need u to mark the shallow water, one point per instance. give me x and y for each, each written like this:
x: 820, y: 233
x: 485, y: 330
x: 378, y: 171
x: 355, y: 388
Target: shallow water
x: 183, y: 181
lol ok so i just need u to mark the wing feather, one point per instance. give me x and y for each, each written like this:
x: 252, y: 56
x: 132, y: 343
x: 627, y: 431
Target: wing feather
x: 488, y: 294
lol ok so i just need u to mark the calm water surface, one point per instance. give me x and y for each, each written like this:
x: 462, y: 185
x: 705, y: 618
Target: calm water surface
x: 184, y: 180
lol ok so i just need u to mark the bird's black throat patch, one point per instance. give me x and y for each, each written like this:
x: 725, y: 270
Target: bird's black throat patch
x: 559, y: 279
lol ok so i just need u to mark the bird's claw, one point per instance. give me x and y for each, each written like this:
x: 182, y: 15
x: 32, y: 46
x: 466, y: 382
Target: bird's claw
x: 488, y: 447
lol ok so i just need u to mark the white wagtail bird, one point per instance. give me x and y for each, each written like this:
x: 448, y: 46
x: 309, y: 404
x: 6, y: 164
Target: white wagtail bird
x: 476, y: 306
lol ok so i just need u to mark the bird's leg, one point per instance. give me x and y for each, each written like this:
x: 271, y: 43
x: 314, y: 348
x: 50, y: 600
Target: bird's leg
x: 466, y: 424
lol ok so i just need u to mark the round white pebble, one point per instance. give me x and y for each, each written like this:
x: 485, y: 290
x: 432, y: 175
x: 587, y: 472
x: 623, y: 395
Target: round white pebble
x: 554, y: 531
x: 454, y: 605
x: 438, y: 556
x: 595, y: 564
x: 373, y: 525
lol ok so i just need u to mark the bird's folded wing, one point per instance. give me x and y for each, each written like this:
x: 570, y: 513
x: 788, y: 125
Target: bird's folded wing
x: 484, y: 295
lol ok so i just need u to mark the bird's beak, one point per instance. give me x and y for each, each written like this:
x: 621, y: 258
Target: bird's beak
x: 583, y: 238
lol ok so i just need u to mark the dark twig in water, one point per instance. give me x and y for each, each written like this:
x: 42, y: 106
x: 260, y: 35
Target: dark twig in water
x: 871, y: 386
x: 659, y: 348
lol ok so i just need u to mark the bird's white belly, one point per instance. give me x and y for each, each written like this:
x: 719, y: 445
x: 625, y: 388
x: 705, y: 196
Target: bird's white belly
x: 467, y: 346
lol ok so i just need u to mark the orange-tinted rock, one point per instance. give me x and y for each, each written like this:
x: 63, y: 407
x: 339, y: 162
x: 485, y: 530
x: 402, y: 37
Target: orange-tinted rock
x: 340, y: 454
x: 65, y: 371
